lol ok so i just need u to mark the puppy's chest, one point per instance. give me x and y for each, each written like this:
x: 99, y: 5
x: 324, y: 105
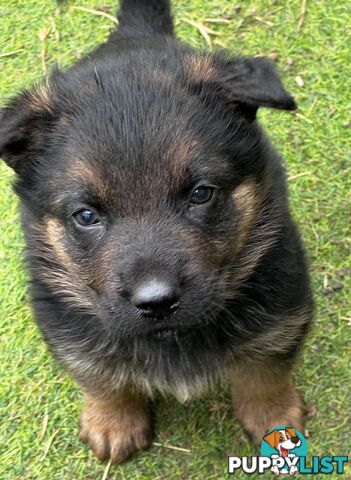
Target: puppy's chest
x: 182, y: 374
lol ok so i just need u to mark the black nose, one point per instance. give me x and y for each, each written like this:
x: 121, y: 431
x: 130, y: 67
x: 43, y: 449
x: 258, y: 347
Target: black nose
x: 295, y: 440
x: 155, y: 298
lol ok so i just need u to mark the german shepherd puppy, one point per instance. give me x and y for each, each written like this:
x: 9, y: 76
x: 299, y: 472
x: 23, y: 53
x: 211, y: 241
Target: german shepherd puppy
x: 161, y: 250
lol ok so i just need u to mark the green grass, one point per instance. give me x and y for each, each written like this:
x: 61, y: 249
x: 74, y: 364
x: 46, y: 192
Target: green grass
x: 39, y: 404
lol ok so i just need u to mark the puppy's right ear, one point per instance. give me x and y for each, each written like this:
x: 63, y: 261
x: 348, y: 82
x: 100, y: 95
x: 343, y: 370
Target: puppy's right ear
x: 23, y: 122
x: 248, y: 82
x: 271, y: 438
x: 291, y: 431
x: 254, y: 82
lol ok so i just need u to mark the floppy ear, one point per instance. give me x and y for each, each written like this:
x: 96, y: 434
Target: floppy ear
x: 253, y: 82
x: 22, y: 123
x: 271, y: 438
x: 291, y: 431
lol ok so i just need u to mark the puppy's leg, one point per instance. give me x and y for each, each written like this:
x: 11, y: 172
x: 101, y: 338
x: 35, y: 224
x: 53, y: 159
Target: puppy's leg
x: 117, y: 427
x: 264, y: 397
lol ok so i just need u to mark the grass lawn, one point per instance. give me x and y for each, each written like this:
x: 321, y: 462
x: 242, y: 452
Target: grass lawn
x: 39, y: 404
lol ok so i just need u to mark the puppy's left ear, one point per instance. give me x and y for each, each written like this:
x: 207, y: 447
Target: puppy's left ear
x: 253, y: 82
x: 23, y: 122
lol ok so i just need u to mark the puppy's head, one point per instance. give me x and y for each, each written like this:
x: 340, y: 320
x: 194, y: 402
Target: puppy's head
x: 283, y: 440
x: 144, y: 185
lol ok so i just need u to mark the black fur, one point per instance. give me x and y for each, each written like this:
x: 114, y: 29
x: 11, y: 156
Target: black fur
x: 125, y: 111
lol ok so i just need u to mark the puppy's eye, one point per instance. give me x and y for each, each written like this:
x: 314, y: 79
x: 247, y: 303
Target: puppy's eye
x: 86, y: 218
x: 201, y: 195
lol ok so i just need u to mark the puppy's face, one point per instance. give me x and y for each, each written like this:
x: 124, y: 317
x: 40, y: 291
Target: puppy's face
x: 143, y: 188
x: 283, y: 440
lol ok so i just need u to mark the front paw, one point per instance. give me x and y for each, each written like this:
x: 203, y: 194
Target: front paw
x: 293, y: 469
x: 115, y: 429
x: 261, y: 413
x: 257, y: 427
x: 275, y: 470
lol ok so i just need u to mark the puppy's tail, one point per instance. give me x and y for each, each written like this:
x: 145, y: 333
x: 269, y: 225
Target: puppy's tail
x: 144, y: 18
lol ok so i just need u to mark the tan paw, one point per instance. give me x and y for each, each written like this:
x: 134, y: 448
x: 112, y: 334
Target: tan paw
x: 115, y: 429
x: 263, y: 400
x: 257, y: 419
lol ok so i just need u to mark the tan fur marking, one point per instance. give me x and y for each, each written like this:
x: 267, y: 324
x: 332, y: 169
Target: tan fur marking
x: 200, y: 68
x: 265, y: 397
x: 115, y: 428
x: 183, y: 149
x: 247, y: 199
x: 55, y: 232
x: 254, y: 236
x: 87, y: 174
x: 41, y: 98
x: 63, y: 276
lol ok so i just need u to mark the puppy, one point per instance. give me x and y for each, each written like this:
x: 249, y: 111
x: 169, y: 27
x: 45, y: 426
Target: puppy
x: 160, y: 246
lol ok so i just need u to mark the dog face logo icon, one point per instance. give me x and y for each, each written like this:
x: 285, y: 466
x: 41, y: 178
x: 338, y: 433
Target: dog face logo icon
x: 283, y: 440
x: 285, y: 445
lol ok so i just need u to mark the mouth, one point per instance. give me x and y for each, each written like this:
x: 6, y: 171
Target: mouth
x: 170, y: 333
x: 284, y: 451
